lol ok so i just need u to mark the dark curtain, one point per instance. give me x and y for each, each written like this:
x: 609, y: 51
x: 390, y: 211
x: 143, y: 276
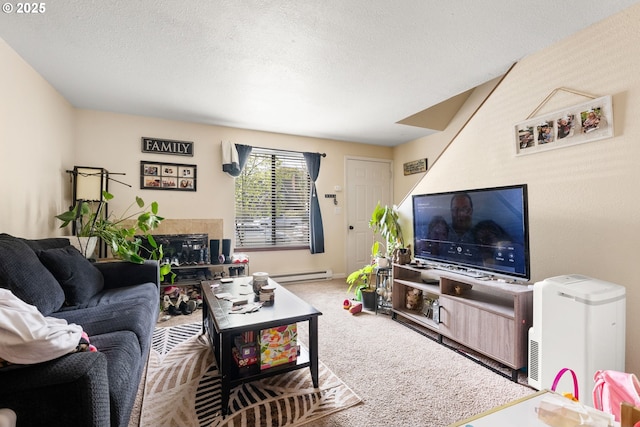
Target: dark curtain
x: 243, y: 154
x: 233, y: 162
x: 316, y: 231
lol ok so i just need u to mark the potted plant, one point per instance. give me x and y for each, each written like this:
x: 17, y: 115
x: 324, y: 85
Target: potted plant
x: 361, y: 282
x: 122, y: 235
x: 385, y: 221
x: 83, y: 216
x: 380, y: 258
x: 362, y: 285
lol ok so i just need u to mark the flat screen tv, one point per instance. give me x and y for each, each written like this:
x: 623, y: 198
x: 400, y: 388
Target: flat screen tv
x: 480, y: 231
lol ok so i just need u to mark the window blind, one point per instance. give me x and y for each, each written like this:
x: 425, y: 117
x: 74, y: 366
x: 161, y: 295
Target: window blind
x: 272, y: 201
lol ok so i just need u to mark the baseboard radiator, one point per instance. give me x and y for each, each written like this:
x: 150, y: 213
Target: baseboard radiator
x: 301, y: 277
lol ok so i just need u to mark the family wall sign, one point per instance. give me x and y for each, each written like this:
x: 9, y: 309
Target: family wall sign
x: 167, y: 146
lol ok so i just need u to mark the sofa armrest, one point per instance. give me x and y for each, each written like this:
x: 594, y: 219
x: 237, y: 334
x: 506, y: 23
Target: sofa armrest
x: 118, y: 274
x: 72, y: 390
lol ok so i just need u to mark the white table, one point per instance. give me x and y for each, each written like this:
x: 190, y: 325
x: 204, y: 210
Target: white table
x: 7, y: 418
x: 520, y: 412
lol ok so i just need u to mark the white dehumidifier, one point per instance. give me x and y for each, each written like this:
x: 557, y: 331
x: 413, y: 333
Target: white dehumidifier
x: 578, y: 323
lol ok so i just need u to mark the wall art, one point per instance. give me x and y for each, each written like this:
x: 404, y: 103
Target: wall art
x: 586, y: 122
x: 167, y: 146
x: 416, y: 166
x: 167, y: 176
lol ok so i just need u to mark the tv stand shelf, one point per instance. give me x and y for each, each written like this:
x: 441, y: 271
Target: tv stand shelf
x: 491, y: 317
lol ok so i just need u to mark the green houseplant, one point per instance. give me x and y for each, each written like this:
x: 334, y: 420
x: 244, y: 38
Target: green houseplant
x: 362, y: 285
x: 83, y: 216
x: 361, y: 281
x: 123, y: 235
x: 385, y: 222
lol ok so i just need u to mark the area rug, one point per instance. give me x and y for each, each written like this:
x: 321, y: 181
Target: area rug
x: 182, y: 388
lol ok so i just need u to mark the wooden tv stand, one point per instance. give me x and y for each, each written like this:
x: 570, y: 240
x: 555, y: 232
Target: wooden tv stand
x: 491, y: 317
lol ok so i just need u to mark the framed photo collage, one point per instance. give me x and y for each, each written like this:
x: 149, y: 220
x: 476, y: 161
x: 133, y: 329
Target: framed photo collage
x: 167, y: 176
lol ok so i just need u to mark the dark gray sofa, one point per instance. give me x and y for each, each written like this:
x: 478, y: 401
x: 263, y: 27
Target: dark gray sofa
x: 117, y: 305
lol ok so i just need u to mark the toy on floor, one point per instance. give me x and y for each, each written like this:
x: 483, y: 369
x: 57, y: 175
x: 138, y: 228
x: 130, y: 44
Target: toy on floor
x: 356, y: 307
x: 353, y: 306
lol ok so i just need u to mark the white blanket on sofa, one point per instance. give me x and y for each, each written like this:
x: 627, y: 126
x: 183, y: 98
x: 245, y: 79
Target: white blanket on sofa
x: 26, y: 336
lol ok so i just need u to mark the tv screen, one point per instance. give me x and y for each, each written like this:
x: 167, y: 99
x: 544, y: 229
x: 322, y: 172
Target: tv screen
x: 481, y: 230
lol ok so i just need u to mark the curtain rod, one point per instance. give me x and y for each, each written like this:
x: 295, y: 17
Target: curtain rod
x: 287, y: 151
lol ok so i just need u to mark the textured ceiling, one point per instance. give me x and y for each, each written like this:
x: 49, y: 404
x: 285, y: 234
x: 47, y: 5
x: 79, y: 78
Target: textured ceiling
x: 340, y: 69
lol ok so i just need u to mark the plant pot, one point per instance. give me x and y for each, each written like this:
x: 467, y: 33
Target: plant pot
x: 382, y: 262
x: 86, y: 245
x: 369, y: 299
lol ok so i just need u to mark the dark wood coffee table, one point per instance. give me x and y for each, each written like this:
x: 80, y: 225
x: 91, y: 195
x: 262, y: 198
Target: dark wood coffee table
x: 223, y: 326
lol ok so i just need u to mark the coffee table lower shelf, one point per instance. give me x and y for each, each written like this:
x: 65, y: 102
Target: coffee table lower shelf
x: 255, y: 373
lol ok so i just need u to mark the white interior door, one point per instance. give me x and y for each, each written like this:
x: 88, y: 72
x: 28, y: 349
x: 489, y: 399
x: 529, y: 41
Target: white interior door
x: 367, y: 182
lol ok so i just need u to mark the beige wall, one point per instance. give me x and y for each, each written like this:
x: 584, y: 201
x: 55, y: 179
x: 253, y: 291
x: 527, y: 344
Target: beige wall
x: 36, y: 145
x: 433, y: 146
x: 42, y: 136
x: 112, y: 141
x: 584, y: 202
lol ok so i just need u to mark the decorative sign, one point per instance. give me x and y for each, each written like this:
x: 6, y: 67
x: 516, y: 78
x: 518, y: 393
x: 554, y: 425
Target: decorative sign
x: 167, y: 146
x: 167, y: 176
x: 417, y: 166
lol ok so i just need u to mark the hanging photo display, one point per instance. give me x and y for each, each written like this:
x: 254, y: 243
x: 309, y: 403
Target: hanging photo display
x: 586, y: 122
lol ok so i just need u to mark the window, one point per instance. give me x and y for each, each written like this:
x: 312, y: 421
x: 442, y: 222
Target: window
x: 272, y: 201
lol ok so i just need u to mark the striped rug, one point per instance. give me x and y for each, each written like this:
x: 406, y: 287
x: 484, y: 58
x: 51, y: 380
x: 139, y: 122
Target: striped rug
x: 182, y: 389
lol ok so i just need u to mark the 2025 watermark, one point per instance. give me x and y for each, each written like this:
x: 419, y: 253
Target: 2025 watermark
x: 24, y: 8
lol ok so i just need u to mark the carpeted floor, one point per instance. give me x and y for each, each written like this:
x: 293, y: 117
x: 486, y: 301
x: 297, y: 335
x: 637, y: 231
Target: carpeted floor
x: 182, y: 389
x: 403, y: 378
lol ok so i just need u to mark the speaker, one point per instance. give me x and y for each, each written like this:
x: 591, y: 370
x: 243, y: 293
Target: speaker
x: 226, y: 250
x: 214, y: 251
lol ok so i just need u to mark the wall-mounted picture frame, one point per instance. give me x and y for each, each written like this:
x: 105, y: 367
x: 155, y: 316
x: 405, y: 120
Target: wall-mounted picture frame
x: 586, y: 122
x: 416, y: 166
x: 167, y: 176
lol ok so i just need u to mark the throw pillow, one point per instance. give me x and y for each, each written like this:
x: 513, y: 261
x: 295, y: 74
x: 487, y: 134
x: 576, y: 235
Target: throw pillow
x: 47, y: 243
x: 79, y: 278
x: 23, y: 274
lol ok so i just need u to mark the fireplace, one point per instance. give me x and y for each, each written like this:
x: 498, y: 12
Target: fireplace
x: 184, y: 249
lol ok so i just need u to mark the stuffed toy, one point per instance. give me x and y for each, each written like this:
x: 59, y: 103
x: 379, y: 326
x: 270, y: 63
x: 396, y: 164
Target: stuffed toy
x: 413, y: 298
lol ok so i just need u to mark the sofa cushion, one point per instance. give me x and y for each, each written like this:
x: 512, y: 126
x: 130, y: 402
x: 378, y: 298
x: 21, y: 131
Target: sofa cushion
x: 133, y: 308
x: 79, y: 278
x: 23, y: 274
x: 125, y: 370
